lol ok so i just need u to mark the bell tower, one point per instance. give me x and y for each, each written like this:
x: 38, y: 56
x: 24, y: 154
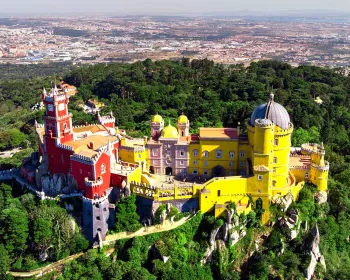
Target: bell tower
x: 57, y: 119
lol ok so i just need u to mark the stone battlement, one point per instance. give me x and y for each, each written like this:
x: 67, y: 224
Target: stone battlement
x: 96, y: 183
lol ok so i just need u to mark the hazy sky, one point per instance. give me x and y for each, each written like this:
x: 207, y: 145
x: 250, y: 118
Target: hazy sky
x: 165, y: 6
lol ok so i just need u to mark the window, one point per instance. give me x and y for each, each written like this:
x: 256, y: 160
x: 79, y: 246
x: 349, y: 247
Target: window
x: 219, y: 153
x: 205, y: 163
x: 260, y: 177
x: 139, y: 155
x: 195, y: 153
x: 307, y: 175
x: 219, y: 193
x: 182, y: 133
x: 64, y: 127
x: 194, y: 162
x: 274, y: 183
x: 230, y: 173
x: 155, y: 152
x: 206, y: 154
x: 242, y: 154
x: 206, y: 172
x: 181, y: 162
x: 50, y: 126
x: 103, y: 168
x: 182, y: 153
x: 274, y: 170
x: 275, y: 160
x: 275, y: 142
x: 232, y: 154
x: 195, y: 171
x: 241, y: 163
x: 230, y: 163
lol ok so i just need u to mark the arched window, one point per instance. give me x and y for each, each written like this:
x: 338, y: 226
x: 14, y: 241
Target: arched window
x: 206, y: 154
x: 103, y: 168
x: 50, y: 126
x: 232, y: 154
x: 195, y: 153
x: 242, y: 154
x: 64, y: 127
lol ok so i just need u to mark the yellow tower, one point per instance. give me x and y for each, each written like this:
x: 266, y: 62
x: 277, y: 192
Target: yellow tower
x: 319, y: 167
x: 269, y: 134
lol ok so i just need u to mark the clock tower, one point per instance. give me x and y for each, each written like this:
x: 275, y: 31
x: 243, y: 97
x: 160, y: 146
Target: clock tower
x: 58, y: 121
x: 58, y: 130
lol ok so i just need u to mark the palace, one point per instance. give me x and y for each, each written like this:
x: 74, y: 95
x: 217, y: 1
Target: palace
x: 204, y: 171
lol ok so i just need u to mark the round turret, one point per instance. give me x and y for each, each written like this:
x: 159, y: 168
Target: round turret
x: 272, y: 111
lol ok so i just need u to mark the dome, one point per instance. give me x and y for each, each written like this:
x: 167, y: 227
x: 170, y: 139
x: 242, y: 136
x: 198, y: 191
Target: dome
x: 157, y: 118
x: 182, y: 119
x: 272, y: 111
x: 170, y: 132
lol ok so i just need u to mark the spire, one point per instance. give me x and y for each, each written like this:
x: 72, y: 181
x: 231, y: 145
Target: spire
x: 271, y: 97
x: 111, y: 114
x: 35, y: 123
x: 109, y: 146
x: 44, y: 90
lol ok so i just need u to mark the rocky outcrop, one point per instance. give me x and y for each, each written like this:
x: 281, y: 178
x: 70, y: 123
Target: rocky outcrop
x: 212, y: 246
x: 290, y: 223
x: 58, y: 184
x: 321, y: 197
x: 314, y: 251
x: 284, y: 202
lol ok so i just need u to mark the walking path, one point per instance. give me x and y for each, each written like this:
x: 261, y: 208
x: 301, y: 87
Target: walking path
x: 166, y: 226
x: 110, y: 239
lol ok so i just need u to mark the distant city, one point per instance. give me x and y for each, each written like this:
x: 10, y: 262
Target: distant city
x: 227, y: 40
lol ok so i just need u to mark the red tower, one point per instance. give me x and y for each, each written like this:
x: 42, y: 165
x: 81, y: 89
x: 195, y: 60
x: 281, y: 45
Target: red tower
x: 58, y: 130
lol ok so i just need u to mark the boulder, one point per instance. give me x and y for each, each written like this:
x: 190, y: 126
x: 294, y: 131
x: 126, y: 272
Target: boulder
x: 321, y: 197
x: 165, y: 258
x: 242, y: 233
x: 234, y: 237
x: 315, y: 253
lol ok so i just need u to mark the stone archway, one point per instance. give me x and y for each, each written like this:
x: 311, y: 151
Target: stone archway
x: 218, y: 171
x: 168, y: 171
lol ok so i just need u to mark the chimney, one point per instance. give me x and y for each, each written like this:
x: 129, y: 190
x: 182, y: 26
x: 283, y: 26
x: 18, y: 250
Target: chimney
x: 91, y: 146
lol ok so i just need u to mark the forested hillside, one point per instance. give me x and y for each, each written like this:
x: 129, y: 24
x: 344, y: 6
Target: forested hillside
x: 211, y: 95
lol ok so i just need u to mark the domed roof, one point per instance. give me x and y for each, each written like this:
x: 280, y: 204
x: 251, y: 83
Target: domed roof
x: 157, y: 118
x: 169, y: 132
x: 272, y: 111
x: 182, y: 119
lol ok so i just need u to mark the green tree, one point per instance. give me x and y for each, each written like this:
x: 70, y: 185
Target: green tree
x: 126, y: 218
x: 4, y: 261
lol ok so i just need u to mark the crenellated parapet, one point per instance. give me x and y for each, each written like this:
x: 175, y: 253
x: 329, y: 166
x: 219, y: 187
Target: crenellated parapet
x: 264, y: 123
x: 82, y: 159
x: 96, y: 183
x: 313, y: 148
x: 133, y: 148
x: 299, y: 167
x: 164, y: 192
x: 69, y: 115
x: 324, y: 168
x: 65, y: 147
